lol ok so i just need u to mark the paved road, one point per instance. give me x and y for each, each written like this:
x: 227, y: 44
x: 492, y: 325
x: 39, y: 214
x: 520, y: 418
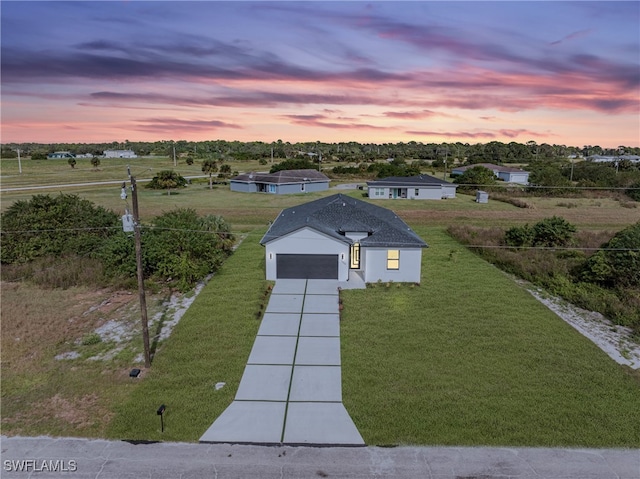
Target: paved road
x: 100, y: 459
x: 76, y: 185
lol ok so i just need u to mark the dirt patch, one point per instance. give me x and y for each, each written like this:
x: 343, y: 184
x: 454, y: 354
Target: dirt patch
x: 82, y: 413
x: 614, y: 340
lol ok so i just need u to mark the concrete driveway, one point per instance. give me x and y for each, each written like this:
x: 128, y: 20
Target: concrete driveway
x: 291, y: 389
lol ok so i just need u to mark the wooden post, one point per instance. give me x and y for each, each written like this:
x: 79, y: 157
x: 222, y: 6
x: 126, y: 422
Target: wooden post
x: 143, y: 300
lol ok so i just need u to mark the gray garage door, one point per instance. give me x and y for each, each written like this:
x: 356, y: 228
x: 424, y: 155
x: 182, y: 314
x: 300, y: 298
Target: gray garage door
x: 307, y: 266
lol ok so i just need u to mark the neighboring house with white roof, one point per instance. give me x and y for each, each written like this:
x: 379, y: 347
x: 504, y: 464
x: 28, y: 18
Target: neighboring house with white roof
x: 608, y: 159
x: 343, y: 238
x: 119, y: 154
x: 60, y: 154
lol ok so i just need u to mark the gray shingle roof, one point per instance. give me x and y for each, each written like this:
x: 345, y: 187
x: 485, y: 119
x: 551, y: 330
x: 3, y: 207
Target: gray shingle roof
x: 410, y: 181
x: 283, y: 177
x: 337, y: 214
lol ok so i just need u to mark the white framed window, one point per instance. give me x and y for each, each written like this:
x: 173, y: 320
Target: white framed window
x: 393, y: 259
x: 417, y: 192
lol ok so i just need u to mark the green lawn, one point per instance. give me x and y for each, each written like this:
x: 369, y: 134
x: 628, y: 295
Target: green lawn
x: 466, y: 358
x: 211, y: 344
x: 470, y: 358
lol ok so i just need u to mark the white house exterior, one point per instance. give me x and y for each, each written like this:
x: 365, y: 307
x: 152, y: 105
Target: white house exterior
x: 613, y: 159
x: 61, y: 154
x: 119, y: 154
x: 505, y: 173
x: 342, y: 238
x: 281, y: 182
x: 421, y: 187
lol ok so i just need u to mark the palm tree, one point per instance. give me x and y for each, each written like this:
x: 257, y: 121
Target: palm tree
x: 209, y: 166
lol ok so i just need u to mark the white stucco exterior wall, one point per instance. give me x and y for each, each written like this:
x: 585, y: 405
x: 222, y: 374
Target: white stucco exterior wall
x: 436, y: 192
x: 374, y: 263
x: 307, y: 241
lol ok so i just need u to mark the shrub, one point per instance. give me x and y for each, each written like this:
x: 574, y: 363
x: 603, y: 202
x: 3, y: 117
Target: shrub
x: 54, y: 226
x: 293, y: 164
x: 179, y: 247
x: 633, y: 191
x: 555, y: 231
x: 519, y: 236
x: 166, y: 179
x: 618, y: 263
x: 478, y: 175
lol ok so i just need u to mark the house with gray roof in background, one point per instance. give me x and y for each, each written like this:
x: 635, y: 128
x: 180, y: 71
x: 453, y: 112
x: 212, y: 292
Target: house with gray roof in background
x: 343, y: 238
x: 281, y: 182
x: 420, y: 187
x: 504, y: 173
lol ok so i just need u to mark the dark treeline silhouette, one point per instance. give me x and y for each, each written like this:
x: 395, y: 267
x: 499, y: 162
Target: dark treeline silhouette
x: 221, y: 150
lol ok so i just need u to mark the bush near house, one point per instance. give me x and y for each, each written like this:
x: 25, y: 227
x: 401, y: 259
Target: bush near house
x: 178, y: 247
x: 54, y: 226
x: 53, y: 240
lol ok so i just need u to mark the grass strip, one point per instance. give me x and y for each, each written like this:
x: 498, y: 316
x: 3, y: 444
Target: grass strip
x: 470, y: 358
x: 211, y: 344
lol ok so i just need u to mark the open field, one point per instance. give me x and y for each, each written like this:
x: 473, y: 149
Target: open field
x: 246, y: 211
x: 448, y: 362
x: 470, y: 358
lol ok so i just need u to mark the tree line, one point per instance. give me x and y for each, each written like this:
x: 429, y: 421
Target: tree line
x: 221, y: 150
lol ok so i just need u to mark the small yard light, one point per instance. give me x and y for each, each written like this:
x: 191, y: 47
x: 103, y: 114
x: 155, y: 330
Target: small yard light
x: 160, y: 412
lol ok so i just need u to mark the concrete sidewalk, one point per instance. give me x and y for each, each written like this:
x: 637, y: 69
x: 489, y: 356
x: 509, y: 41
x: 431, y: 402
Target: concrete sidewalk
x: 117, y: 459
x: 291, y: 389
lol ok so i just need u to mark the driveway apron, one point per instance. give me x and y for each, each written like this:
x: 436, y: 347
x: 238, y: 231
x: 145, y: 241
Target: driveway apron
x: 291, y: 389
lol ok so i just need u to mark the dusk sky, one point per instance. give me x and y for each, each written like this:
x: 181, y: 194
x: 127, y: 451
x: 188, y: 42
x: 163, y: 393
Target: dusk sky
x: 553, y: 72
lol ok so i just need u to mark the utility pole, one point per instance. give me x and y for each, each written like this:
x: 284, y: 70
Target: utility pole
x: 571, y: 178
x: 19, y: 163
x: 143, y: 299
x: 174, y: 156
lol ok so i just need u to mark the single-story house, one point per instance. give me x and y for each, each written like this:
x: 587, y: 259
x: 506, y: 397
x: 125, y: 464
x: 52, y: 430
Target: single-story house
x: 505, y: 173
x: 61, y: 154
x: 119, y: 154
x: 343, y: 238
x: 281, y: 182
x: 421, y: 187
x: 613, y: 159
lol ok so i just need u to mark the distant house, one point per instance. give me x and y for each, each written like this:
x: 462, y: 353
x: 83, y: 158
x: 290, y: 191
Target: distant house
x: 343, y: 238
x: 421, y: 187
x: 119, y: 154
x: 505, y: 173
x: 60, y: 154
x: 608, y: 159
x: 281, y: 182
